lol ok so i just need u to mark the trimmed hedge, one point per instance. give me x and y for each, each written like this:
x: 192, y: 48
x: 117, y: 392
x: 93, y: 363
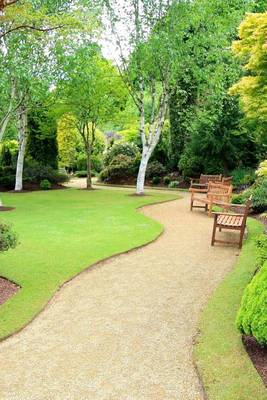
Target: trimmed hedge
x: 252, y: 316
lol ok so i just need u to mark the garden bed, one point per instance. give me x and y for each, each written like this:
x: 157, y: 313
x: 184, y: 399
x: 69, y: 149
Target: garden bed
x: 7, y: 290
x: 258, y: 355
x: 3, y: 208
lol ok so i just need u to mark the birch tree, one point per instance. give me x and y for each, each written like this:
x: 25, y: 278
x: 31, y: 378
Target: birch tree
x: 146, y: 58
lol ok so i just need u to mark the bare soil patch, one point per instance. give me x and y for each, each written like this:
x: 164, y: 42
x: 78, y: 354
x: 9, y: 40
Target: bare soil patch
x: 7, y: 289
x: 258, y: 355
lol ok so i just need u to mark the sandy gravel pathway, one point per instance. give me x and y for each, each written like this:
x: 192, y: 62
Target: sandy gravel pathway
x: 123, y: 330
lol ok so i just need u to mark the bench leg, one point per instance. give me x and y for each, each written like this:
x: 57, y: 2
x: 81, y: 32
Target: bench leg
x: 192, y: 204
x: 213, y: 234
x: 210, y: 209
x: 242, y: 232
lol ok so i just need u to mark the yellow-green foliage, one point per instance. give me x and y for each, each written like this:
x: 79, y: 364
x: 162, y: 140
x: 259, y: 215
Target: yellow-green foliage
x: 252, y: 50
x: 252, y: 316
x: 68, y: 140
x: 262, y: 171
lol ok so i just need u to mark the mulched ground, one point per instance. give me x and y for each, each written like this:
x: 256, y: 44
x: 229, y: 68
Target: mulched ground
x: 258, y: 355
x: 2, y: 208
x: 7, y: 290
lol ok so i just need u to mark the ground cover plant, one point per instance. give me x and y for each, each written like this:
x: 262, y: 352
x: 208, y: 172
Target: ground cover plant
x: 61, y: 233
x: 225, y: 368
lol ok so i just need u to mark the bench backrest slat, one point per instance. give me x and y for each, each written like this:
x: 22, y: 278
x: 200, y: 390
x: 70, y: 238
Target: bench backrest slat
x: 204, y: 179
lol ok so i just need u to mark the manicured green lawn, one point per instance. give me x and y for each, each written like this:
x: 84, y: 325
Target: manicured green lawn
x: 226, y: 370
x: 61, y: 233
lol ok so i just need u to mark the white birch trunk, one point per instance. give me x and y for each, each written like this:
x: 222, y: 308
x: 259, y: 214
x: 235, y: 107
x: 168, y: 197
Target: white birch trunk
x: 140, y: 184
x: 22, y: 127
x: 6, y: 119
x: 151, y: 142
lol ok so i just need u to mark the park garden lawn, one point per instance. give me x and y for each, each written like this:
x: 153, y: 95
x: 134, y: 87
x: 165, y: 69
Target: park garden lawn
x: 225, y: 368
x: 61, y: 233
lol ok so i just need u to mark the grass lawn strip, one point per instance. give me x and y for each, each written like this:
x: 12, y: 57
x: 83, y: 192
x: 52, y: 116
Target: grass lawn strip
x: 226, y: 370
x: 61, y: 233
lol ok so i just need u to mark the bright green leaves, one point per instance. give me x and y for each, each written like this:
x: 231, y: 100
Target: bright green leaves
x: 252, y: 51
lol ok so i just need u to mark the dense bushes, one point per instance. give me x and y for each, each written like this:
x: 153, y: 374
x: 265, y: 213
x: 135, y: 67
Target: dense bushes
x: 127, y: 149
x: 121, y: 163
x: 8, y: 239
x: 34, y: 172
x: 121, y: 167
x: 258, y: 193
x: 243, y: 177
x: 155, y: 169
x: 259, y: 196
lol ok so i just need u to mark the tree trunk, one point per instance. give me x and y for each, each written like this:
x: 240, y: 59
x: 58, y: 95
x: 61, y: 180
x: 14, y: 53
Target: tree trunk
x: 140, y: 184
x: 6, y: 119
x: 22, y: 128
x: 89, y: 168
x: 149, y: 143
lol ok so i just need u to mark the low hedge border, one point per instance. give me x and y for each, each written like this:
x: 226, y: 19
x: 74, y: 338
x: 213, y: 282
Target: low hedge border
x: 226, y: 370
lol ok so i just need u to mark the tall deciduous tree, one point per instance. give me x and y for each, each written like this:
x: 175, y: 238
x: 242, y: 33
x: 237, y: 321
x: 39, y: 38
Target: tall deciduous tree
x: 92, y: 91
x: 147, y: 60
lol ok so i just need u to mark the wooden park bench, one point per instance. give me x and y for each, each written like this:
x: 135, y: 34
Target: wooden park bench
x: 203, y: 182
x: 217, y: 194
x: 231, y: 221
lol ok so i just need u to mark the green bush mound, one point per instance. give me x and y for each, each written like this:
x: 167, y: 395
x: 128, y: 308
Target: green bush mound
x: 252, y: 315
x: 8, y: 239
x: 121, y: 163
x: 121, y: 167
x: 155, y: 168
x: 45, y: 184
x: 126, y: 149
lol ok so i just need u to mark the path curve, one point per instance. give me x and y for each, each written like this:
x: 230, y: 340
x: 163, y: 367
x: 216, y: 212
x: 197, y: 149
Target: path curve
x: 123, y: 330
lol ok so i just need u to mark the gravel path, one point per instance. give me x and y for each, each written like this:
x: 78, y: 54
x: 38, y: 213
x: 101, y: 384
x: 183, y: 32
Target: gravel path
x: 124, y: 329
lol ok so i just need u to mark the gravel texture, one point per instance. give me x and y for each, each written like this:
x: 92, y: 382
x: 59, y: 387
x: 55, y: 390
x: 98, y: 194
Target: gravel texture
x: 123, y: 330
